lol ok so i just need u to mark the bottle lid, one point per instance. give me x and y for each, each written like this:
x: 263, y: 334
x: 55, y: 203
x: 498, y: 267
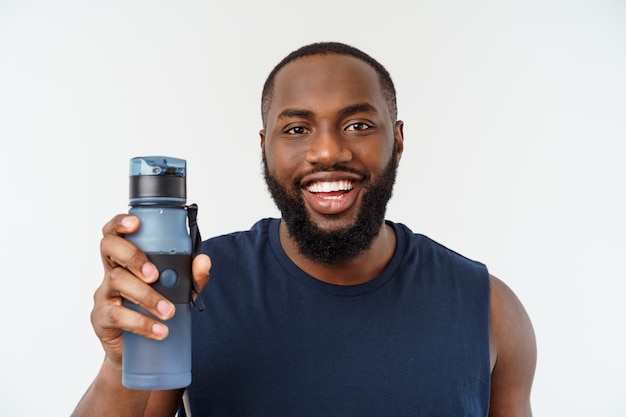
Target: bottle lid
x: 158, y: 180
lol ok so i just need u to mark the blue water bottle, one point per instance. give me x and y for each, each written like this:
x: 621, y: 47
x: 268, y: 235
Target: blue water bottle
x: 158, y: 198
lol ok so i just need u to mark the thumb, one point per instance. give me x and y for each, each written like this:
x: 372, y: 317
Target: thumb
x: 200, y: 269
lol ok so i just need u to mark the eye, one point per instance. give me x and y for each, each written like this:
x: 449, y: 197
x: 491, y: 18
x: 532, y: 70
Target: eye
x: 296, y: 130
x: 359, y: 126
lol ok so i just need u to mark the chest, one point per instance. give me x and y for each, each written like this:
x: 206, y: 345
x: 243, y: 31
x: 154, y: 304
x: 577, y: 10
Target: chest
x: 283, y: 350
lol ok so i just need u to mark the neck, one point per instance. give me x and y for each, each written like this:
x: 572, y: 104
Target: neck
x: 358, y: 270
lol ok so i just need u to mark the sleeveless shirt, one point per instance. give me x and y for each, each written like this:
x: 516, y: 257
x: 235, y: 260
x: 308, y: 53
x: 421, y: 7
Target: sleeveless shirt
x: 274, y: 341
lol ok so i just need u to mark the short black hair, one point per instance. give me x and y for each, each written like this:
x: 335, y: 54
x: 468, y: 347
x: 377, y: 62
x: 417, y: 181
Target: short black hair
x: 323, y: 48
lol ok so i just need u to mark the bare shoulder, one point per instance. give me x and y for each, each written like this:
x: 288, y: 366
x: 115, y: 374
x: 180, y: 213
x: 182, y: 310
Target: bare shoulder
x: 513, y: 352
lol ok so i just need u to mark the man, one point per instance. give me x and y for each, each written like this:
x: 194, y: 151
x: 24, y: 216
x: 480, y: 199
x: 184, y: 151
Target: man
x: 331, y: 310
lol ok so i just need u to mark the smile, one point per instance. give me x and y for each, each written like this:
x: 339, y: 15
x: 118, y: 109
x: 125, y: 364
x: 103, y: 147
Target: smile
x: 331, y: 196
x: 333, y: 187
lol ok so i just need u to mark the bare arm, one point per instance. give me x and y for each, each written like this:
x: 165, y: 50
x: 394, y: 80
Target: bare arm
x: 108, y: 397
x: 128, y: 274
x: 514, y: 353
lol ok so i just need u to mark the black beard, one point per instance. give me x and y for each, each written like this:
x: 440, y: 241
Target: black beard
x: 335, y: 246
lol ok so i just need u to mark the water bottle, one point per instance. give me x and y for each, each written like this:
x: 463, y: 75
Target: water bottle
x: 158, y: 198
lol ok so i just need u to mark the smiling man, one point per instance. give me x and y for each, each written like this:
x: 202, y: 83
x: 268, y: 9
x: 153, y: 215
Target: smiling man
x: 332, y: 309
x: 331, y: 145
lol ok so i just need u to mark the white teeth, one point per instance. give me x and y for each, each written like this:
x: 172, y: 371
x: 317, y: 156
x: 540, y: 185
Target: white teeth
x: 330, y: 186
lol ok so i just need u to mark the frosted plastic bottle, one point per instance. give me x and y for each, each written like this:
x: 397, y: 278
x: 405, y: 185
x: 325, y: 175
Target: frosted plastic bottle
x: 158, y: 197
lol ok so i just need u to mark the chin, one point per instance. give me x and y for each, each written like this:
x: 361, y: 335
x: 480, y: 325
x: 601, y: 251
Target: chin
x: 336, y: 223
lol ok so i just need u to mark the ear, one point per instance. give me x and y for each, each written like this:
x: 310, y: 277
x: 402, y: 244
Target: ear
x: 262, y: 137
x: 398, y: 137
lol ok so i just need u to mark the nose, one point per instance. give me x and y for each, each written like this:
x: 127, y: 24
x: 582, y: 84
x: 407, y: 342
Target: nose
x: 328, y: 147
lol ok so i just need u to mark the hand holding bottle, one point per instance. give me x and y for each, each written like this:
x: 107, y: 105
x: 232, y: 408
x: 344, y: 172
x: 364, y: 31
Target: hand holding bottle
x: 128, y: 274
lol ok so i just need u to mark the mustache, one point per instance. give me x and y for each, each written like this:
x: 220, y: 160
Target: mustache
x: 339, y: 167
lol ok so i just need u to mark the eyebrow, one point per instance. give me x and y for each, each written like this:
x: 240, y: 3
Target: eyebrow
x: 295, y: 113
x: 351, y: 109
x: 358, y: 108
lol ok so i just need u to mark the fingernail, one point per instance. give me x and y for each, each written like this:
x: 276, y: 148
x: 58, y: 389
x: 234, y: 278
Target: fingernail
x: 148, y: 270
x: 128, y: 222
x: 159, y: 330
x: 164, y: 308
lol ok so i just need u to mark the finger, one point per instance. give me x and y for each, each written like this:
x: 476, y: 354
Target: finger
x: 120, y: 225
x: 110, y: 320
x: 119, y: 282
x: 201, y: 267
x: 117, y: 251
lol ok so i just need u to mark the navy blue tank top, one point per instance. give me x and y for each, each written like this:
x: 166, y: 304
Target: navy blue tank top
x: 274, y: 341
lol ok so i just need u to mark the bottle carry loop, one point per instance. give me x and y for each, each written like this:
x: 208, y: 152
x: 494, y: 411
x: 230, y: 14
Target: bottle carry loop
x: 196, y: 243
x: 194, y: 231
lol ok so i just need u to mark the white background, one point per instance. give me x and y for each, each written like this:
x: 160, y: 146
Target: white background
x: 515, y: 119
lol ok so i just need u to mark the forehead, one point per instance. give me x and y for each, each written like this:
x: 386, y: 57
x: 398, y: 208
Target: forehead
x: 326, y: 81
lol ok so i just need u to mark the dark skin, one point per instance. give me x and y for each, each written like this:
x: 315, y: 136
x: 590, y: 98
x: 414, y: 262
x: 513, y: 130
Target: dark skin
x: 128, y: 274
x: 326, y: 110
x: 326, y: 115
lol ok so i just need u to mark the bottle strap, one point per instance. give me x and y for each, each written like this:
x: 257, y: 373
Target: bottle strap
x: 194, y: 230
x: 196, y: 243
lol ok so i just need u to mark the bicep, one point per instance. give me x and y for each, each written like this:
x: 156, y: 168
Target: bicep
x: 513, y: 339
